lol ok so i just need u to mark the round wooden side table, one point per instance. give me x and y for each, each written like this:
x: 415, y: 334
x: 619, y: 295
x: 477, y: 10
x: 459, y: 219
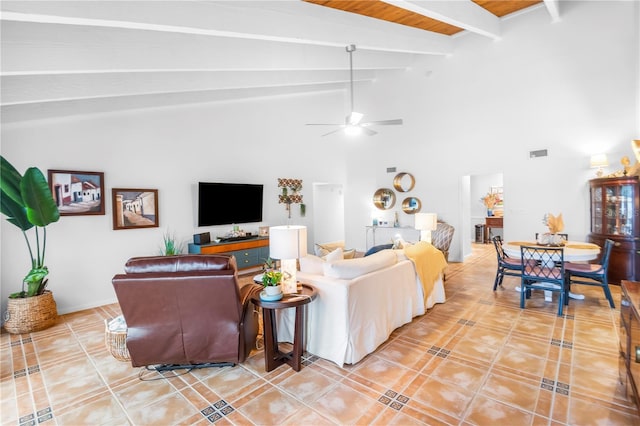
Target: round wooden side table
x: 273, y: 357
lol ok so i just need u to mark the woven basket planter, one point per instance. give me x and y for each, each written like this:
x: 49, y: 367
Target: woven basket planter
x: 25, y: 315
x: 116, y: 342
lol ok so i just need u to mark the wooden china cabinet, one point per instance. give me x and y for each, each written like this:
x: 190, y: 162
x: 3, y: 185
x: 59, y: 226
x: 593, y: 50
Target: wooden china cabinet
x: 615, y: 213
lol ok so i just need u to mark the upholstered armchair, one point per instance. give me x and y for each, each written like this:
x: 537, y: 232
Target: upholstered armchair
x: 441, y: 238
x: 186, y: 310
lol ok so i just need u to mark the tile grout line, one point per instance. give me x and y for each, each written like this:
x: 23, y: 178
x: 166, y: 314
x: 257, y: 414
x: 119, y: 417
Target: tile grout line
x: 104, y: 380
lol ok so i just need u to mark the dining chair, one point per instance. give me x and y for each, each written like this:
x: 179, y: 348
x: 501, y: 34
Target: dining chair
x: 596, y: 273
x: 506, y: 265
x: 543, y: 269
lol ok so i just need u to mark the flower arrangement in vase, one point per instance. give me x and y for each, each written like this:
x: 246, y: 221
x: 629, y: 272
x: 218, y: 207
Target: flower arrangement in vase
x: 489, y: 201
x: 555, y: 224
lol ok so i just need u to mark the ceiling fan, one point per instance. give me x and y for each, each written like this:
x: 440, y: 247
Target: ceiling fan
x: 353, y: 124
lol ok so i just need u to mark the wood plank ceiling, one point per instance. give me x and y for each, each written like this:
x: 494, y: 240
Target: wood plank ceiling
x: 389, y: 12
x: 76, y: 57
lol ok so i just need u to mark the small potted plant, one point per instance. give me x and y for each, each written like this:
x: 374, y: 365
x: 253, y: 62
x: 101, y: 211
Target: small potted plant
x: 271, y: 281
x: 171, y: 246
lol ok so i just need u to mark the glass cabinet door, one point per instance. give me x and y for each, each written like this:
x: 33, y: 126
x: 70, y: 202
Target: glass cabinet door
x: 618, y: 209
x: 596, y: 210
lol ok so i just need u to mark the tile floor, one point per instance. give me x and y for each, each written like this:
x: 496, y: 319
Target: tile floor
x: 475, y: 360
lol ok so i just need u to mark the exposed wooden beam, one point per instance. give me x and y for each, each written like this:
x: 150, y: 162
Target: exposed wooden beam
x: 55, y: 87
x: 463, y: 14
x: 553, y: 9
x: 281, y: 21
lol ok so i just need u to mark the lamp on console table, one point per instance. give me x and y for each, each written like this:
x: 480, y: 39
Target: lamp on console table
x: 288, y: 243
x: 425, y: 223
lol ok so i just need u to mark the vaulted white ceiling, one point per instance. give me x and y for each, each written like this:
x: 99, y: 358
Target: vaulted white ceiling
x: 70, y: 57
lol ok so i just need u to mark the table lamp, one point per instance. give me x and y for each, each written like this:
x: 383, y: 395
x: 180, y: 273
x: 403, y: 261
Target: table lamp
x: 599, y: 161
x: 425, y: 223
x: 288, y: 243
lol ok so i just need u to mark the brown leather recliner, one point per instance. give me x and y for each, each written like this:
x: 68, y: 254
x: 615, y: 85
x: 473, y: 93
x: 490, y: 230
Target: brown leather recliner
x: 186, y: 310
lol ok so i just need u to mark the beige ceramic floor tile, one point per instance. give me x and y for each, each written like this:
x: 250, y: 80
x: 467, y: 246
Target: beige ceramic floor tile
x: 444, y: 396
x: 70, y: 391
x: 306, y: 416
x: 343, y: 405
x: 232, y: 383
x: 170, y: 410
x: 486, y: 411
x: 96, y: 412
x: 271, y: 407
x: 308, y: 385
x: 583, y: 413
x: 519, y: 361
x: 401, y: 354
x: 462, y: 375
x: 510, y: 391
x: 489, y: 370
x: 140, y: 393
x: 383, y: 372
x: 472, y: 349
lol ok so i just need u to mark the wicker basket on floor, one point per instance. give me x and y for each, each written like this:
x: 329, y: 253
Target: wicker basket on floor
x: 29, y: 314
x: 116, y: 342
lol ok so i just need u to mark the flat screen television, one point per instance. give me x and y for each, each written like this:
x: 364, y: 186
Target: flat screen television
x: 228, y: 203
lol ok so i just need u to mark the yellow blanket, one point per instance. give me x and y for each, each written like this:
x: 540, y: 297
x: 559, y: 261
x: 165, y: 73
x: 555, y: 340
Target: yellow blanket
x: 429, y: 263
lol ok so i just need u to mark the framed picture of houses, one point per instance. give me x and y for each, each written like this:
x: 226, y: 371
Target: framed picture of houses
x: 135, y: 208
x: 77, y: 193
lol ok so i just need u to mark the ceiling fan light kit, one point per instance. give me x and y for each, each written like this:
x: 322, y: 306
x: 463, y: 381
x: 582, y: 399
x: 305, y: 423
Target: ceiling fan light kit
x: 352, y: 123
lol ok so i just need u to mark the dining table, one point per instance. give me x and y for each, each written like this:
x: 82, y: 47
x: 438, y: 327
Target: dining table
x: 574, y: 251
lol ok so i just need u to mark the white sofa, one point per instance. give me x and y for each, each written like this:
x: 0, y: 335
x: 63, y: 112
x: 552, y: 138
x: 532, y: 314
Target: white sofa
x: 359, y: 303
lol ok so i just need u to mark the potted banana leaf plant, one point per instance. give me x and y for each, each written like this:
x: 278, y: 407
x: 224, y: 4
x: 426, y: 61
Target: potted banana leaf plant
x: 27, y: 203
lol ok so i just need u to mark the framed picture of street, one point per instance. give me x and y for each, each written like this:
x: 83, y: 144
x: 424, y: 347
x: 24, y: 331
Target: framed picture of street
x: 135, y: 208
x: 77, y: 193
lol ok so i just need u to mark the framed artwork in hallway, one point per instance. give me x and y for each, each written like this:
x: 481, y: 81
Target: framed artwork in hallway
x: 77, y: 193
x: 135, y: 208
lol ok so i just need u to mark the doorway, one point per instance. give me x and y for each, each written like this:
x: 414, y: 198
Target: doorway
x: 328, y: 212
x: 478, y: 187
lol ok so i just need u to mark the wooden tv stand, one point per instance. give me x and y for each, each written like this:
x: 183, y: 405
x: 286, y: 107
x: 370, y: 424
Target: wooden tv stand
x: 248, y: 253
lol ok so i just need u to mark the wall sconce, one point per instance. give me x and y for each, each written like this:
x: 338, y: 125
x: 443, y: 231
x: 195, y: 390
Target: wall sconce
x: 425, y: 223
x: 599, y: 161
x: 288, y: 243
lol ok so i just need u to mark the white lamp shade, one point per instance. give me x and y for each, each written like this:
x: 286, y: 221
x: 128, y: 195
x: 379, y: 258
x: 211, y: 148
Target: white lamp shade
x: 426, y: 221
x: 287, y: 242
x: 599, y: 160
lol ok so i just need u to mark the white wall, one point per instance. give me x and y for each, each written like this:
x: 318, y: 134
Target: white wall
x: 171, y: 150
x: 569, y: 88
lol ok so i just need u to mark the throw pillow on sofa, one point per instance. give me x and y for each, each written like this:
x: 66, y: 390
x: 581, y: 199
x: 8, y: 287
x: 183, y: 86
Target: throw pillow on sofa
x: 351, y: 268
x: 314, y: 264
x: 376, y: 249
x: 326, y: 248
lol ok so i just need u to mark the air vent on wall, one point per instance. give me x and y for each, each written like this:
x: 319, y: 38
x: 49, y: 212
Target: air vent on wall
x: 391, y: 169
x: 538, y: 153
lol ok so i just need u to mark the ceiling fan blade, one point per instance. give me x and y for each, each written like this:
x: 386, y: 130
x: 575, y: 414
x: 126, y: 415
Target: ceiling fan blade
x: 368, y: 132
x: 333, y: 131
x: 382, y: 122
x: 324, y: 124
